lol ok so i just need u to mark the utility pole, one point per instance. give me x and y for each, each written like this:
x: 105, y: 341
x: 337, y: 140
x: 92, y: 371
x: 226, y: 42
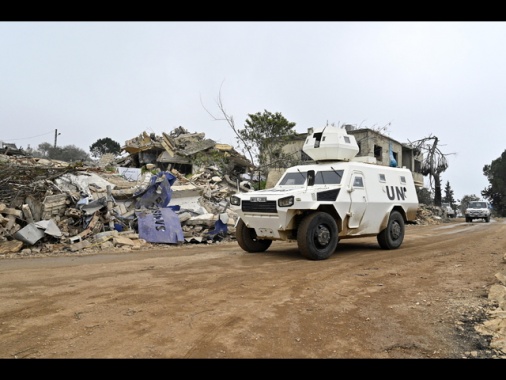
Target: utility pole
x: 56, y: 136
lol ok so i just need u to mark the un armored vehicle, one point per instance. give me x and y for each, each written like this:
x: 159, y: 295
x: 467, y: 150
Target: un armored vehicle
x: 338, y: 197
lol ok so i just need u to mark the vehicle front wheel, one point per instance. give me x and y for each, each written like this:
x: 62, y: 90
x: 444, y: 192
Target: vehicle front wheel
x: 317, y: 236
x: 393, y: 235
x: 247, y: 239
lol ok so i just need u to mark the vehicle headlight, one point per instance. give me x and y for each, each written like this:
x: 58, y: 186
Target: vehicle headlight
x: 236, y: 201
x: 285, y: 202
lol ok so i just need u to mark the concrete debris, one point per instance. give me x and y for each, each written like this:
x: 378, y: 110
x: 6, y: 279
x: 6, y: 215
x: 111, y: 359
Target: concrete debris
x: 427, y: 214
x: 29, y: 234
x: 169, y: 189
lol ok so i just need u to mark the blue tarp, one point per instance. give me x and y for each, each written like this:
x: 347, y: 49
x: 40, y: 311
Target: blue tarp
x: 158, y: 193
x: 219, y: 227
x: 161, y: 225
x: 157, y: 222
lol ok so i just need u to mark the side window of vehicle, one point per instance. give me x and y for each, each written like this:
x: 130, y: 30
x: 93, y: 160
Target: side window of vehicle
x: 358, y: 182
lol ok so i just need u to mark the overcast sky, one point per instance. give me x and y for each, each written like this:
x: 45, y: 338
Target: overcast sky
x: 91, y: 80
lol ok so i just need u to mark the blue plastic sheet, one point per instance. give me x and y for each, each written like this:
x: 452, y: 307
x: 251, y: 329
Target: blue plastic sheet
x: 157, y: 222
x: 219, y: 227
x: 161, y: 225
x: 158, y: 193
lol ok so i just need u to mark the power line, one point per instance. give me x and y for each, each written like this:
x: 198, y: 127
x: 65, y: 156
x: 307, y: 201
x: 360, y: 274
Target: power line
x: 26, y: 138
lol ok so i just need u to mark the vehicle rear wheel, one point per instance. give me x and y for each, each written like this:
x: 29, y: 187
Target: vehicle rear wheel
x: 247, y: 239
x: 317, y: 236
x: 393, y: 235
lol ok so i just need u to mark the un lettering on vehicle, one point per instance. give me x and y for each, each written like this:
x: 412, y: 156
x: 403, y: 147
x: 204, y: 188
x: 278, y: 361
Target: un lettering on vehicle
x: 394, y: 192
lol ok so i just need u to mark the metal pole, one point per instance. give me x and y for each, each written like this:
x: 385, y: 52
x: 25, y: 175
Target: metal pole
x: 55, y: 136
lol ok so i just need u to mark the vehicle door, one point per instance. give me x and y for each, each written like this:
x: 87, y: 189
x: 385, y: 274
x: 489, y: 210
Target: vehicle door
x: 358, y: 199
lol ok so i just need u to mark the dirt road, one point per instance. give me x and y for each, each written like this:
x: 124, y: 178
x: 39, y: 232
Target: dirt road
x: 216, y: 301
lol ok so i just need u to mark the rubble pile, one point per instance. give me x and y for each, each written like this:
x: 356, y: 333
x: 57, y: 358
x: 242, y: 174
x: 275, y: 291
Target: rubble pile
x: 172, y: 188
x: 158, y: 193
x: 427, y: 214
x: 22, y: 176
x: 46, y: 206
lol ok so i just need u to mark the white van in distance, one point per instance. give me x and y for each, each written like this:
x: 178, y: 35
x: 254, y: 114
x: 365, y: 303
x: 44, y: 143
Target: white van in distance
x: 478, y: 210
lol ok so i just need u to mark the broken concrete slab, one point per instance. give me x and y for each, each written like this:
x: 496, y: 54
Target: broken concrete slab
x: 11, y: 246
x: 29, y: 234
x: 79, y: 245
x: 50, y: 227
x: 123, y: 240
x: 205, y: 219
x: 53, y: 205
x: 188, y: 199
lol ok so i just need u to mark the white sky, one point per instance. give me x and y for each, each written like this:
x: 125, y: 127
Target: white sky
x: 91, y: 80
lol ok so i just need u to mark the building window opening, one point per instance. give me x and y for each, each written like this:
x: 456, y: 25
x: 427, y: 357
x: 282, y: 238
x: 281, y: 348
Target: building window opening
x: 378, y: 152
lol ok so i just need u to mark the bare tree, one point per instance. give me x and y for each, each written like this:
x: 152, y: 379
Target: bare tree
x: 230, y: 121
x: 434, y: 163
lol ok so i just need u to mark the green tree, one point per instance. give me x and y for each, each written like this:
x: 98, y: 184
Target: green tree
x: 68, y: 153
x: 44, y: 148
x: 103, y: 146
x: 265, y: 134
x: 448, y: 198
x: 424, y: 196
x: 496, y: 191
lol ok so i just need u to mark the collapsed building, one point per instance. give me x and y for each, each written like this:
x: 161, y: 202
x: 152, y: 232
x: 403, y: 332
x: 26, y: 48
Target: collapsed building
x: 182, y: 151
x: 168, y: 189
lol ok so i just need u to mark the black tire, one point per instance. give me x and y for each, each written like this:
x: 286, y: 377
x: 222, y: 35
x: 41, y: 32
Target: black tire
x: 393, y: 235
x: 317, y: 236
x: 247, y: 239
x: 468, y: 220
x: 487, y: 219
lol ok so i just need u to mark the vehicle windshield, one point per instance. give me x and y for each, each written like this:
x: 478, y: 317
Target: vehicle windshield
x: 477, y: 204
x: 294, y: 178
x: 330, y: 177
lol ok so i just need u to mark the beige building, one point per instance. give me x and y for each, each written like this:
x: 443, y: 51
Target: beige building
x: 371, y: 144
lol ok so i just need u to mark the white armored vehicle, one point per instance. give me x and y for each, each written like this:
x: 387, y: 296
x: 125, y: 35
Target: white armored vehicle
x: 338, y: 197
